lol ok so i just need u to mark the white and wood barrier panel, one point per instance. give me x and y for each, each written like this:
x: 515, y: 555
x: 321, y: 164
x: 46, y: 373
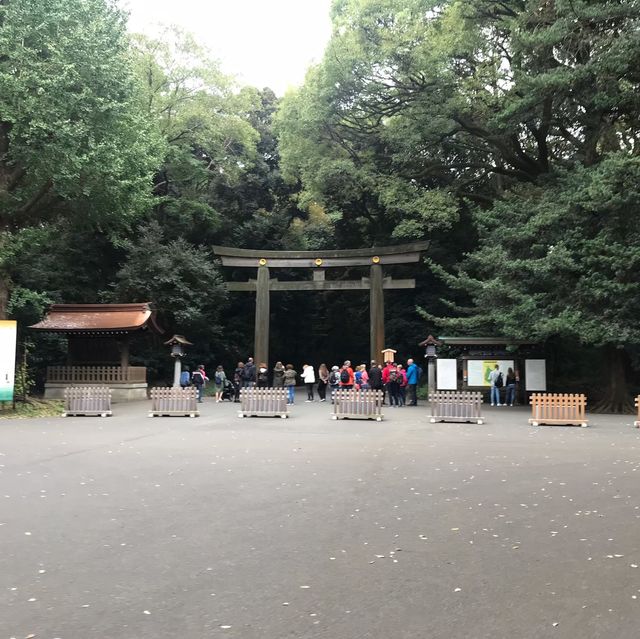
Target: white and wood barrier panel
x: 263, y: 402
x: 554, y: 408
x: 456, y: 406
x: 87, y: 400
x: 178, y: 402
x: 357, y: 404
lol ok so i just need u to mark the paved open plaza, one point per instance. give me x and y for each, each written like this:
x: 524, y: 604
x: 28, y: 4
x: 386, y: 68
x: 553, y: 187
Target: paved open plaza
x: 136, y: 528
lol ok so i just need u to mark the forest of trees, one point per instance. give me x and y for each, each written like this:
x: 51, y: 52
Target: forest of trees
x: 505, y: 133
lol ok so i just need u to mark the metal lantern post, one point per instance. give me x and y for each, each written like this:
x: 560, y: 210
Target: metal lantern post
x: 177, y: 344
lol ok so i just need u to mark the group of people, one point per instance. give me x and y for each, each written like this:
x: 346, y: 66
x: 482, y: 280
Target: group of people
x: 497, y: 382
x: 397, y: 382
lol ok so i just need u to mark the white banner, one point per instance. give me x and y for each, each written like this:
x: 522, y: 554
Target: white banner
x: 535, y: 374
x: 447, y: 374
x: 8, y: 329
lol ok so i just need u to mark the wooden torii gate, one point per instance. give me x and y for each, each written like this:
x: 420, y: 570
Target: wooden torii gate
x: 375, y: 258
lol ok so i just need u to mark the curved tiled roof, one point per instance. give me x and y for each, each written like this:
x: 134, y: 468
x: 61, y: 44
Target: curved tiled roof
x: 97, y: 318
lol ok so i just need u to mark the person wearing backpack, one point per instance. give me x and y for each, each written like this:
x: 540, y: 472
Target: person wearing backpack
x: 334, y: 381
x: 347, y: 377
x: 386, y: 371
x: 199, y: 378
x: 393, y: 384
x: 290, y: 383
x: 219, y: 378
x: 496, y: 381
x: 413, y: 377
x: 249, y: 374
x: 278, y: 375
x: 375, y: 376
x: 185, y: 378
x: 402, y: 385
x: 263, y: 376
x: 237, y: 381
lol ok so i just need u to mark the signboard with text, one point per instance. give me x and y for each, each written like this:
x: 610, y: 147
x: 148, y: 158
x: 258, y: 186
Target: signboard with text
x: 8, y: 330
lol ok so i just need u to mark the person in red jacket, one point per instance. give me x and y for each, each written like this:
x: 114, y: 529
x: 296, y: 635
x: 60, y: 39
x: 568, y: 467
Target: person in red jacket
x: 347, y: 377
x: 402, y: 384
x: 390, y: 380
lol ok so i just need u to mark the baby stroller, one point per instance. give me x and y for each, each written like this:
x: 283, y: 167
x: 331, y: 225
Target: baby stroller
x: 228, y: 390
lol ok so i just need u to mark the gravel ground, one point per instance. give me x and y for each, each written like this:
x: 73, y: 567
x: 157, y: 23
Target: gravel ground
x: 130, y: 527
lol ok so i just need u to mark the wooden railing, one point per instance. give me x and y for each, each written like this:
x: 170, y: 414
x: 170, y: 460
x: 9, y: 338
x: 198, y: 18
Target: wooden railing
x: 637, y: 422
x: 263, y: 402
x: 97, y: 374
x: 174, y: 401
x: 547, y: 408
x: 456, y: 406
x: 357, y: 404
x: 87, y: 400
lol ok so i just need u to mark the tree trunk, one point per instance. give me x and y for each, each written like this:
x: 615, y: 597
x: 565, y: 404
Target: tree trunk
x: 616, y: 398
x: 4, y: 294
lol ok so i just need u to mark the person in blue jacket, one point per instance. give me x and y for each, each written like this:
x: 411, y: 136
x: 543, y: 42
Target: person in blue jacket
x: 185, y: 377
x: 413, y: 377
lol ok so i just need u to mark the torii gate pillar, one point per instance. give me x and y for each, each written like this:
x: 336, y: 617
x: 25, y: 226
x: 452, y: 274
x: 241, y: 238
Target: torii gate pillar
x: 376, y: 311
x: 261, y: 343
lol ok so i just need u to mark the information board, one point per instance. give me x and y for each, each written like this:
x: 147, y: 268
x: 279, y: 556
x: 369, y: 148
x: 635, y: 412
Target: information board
x: 447, y: 374
x: 8, y: 329
x: 478, y: 370
x: 535, y: 374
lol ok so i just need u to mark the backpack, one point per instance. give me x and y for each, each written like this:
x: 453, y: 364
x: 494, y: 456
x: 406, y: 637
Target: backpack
x: 393, y: 375
x: 197, y: 378
x: 344, y: 376
x: 499, y: 383
x: 185, y: 378
x: 359, y: 377
x: 218, y: 379
x: 334, y: 378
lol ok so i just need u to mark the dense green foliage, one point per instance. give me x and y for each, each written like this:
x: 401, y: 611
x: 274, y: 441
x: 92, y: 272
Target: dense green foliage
x: 504, y: 133
x: 526, y: 115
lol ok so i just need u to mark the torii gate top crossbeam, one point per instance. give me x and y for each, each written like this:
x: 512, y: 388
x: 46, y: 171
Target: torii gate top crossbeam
x: 401, y: 254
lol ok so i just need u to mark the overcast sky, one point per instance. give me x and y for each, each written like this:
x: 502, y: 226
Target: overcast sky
x: 264, y: 42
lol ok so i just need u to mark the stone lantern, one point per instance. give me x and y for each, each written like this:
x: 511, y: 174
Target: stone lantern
x: 430, y: 345
x: 177, y: 344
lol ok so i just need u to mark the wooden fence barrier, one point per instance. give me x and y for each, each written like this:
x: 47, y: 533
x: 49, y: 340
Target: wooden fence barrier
x: 637, y: 422
x: 547, y: 408
x: 263, y: 402
x: 357, y: 404
x: 87, y: 400
x: 174, y: 401
x: 456, y: 406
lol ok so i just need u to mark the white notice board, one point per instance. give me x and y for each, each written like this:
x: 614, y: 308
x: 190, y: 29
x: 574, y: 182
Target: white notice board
x: 535, y: 374
x: 447, y: 374
x: 8, y: 330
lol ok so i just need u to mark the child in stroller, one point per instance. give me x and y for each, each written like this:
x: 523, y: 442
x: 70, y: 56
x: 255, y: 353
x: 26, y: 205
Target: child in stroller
x: 228, y: 391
